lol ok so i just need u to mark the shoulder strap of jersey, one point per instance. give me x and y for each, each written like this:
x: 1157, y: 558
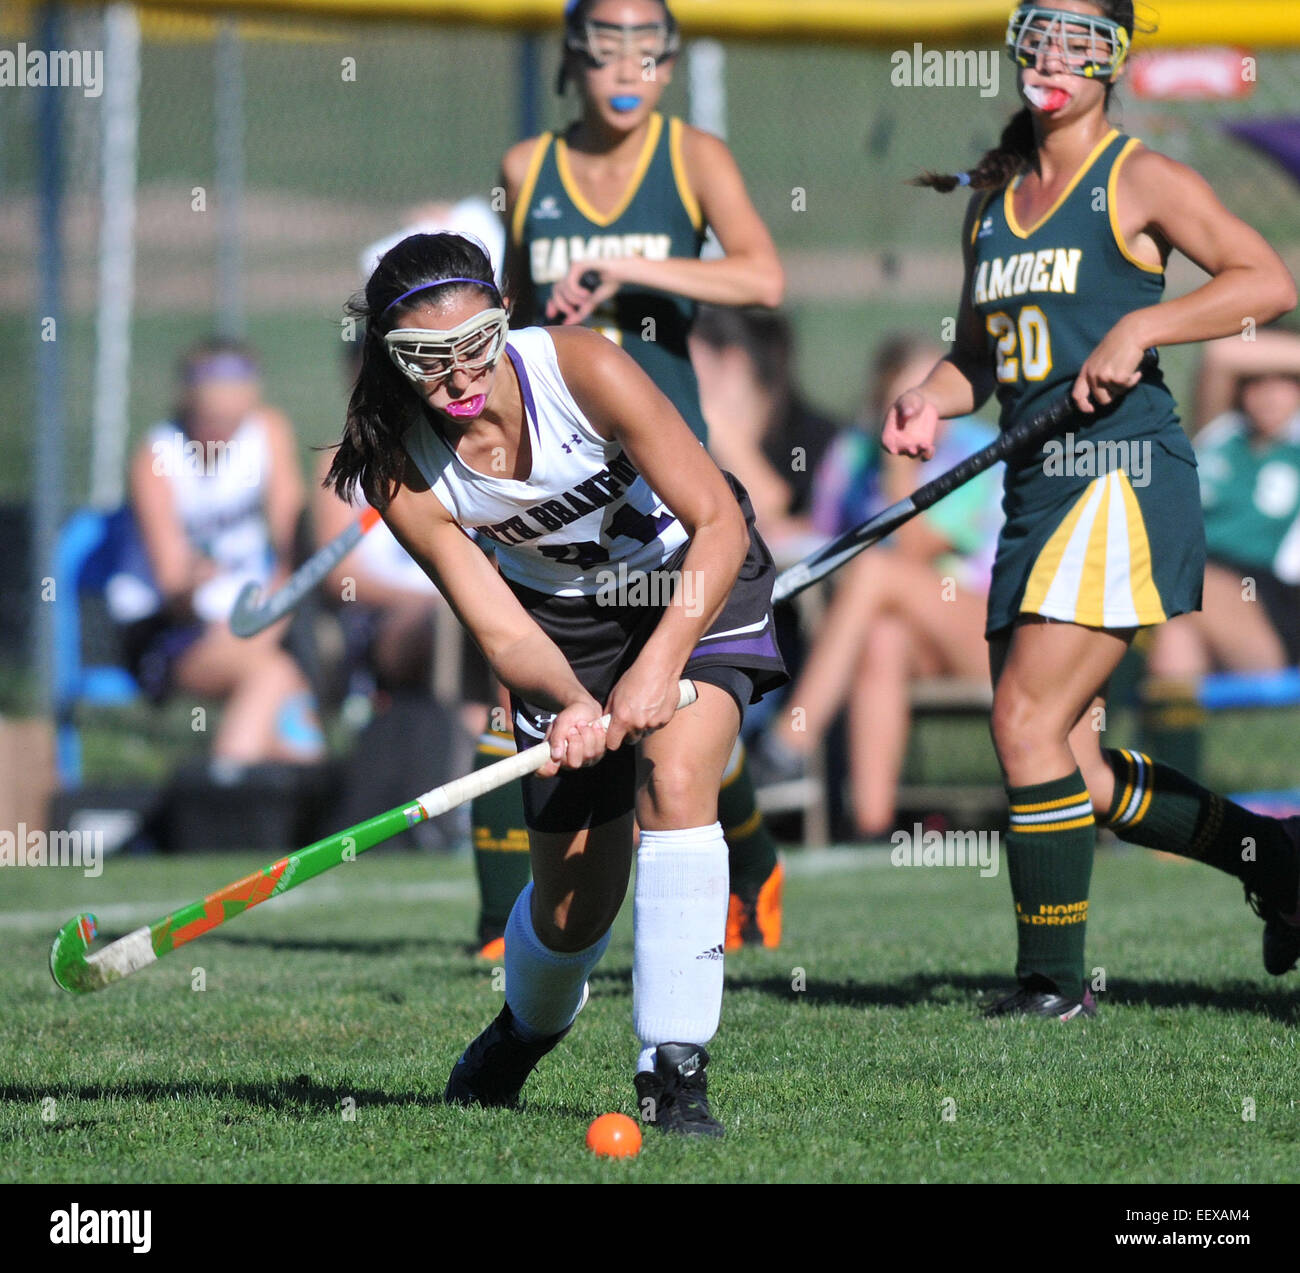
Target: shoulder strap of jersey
x: 1127, y: 145
x: 676, y: 130
x: 525, y: 196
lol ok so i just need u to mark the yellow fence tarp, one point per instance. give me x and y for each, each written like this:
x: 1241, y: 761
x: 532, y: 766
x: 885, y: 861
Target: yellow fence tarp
x: 882, y: 23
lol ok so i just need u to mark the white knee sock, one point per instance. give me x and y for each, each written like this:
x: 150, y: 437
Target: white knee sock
x: 681, y: 923
x: 544, y: 988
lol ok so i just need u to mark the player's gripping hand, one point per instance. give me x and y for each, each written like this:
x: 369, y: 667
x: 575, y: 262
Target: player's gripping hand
x: 571, y: 303
x: 642, y: 701
x: 910, y: 426
x: 1110, y: 372
x: 577, y: 738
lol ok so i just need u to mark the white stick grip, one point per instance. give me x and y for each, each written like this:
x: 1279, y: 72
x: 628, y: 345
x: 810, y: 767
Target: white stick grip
x: 449, y: 795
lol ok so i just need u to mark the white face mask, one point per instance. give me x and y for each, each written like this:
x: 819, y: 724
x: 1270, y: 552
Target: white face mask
x: 1084, y: 44
x: 606, y: 42
x: 425, y: 356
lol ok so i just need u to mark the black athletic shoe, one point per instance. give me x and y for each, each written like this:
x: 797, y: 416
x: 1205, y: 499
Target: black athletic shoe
x: 1042, y: 999
x: 673, y: 1096
x: 493, y: 1069
x: 1281, y: 939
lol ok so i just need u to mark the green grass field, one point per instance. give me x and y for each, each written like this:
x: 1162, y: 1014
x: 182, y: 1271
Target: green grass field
x: 319, y: 1048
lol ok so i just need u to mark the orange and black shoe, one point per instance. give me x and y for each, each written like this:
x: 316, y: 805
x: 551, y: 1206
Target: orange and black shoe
x: 494, y: 951
x: 756, y: 921
x: 491, y: 946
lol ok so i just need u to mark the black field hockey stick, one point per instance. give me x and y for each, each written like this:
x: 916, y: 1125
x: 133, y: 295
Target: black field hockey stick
x: 1022, y: 438
x: 252, y: 614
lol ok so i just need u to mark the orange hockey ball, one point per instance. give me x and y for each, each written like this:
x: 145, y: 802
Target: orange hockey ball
x: 614, y: 1136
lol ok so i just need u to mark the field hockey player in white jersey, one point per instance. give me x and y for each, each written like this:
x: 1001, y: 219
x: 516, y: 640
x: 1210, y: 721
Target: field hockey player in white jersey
x: 625, y: 561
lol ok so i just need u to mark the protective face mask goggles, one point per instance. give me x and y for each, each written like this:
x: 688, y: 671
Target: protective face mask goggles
x: 600, y: 43
x: 1086, y: 45
x: 426, y: 357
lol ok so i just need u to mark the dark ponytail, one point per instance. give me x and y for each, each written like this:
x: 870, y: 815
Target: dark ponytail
x: 1016, y: 147
x: 384, y: 404
x: 999, y: 165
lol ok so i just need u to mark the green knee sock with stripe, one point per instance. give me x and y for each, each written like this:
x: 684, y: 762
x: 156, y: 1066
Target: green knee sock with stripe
x: 1160, y: 808
x: 1049, y: 849
x: 500, y: 842
x: 1172, y: 719
x: 750, y: 847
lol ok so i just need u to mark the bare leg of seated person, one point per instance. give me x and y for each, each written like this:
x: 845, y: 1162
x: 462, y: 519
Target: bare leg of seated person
x: 949, y: 618
x: 1230, y: 632
x: 267, y: 713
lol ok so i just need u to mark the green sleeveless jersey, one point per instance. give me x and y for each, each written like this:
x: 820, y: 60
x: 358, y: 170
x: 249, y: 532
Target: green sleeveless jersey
x: 1047, y: 295
x: 1251, y: 496
x: 658, y: 218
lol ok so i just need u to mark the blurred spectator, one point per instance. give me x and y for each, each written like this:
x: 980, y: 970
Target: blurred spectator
x: 1249, y: 460
x: 473, y: 217
x: 217, y: 496
x: 761, y: 428
x: 913, y: 606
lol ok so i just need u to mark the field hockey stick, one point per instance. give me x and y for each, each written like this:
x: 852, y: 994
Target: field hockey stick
x: 252, y: 615
x: 80, y: 973
x: 1022, y: 438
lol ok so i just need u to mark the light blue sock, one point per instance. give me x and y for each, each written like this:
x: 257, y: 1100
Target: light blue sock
x: 297, y: 726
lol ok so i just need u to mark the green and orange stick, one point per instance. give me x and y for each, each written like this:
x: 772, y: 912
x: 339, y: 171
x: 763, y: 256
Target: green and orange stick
x: 79, y: 972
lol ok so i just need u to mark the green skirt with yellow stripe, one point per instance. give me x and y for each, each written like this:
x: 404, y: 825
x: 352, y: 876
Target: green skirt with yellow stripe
x: 1101, y: 535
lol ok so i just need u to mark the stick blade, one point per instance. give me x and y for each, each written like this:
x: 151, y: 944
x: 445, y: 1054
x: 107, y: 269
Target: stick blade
x: 245, y: 619
x: 68, y: 964
x: 78, y: 973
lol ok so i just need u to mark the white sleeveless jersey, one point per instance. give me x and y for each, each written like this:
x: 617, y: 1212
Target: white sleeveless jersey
x: 584, y: 513
x: 219, y: 490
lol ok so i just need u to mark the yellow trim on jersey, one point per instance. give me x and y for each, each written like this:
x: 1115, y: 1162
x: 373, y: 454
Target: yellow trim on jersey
x: 526, y: 190
x: 1049, y: 560
x: 1033, y: 828
x: 1146, y: 598
x: 1111, y: 187
x: 979, y: 216
x: 1090, y: 604
x: 689, y: 201
x: 1008, y: 202
x: 642, y: 165
x: 1092, y: 576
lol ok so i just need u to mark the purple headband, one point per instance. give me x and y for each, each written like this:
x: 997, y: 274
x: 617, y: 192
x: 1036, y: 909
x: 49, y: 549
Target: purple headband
x: 220, y: 367
x: 442, y: 282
